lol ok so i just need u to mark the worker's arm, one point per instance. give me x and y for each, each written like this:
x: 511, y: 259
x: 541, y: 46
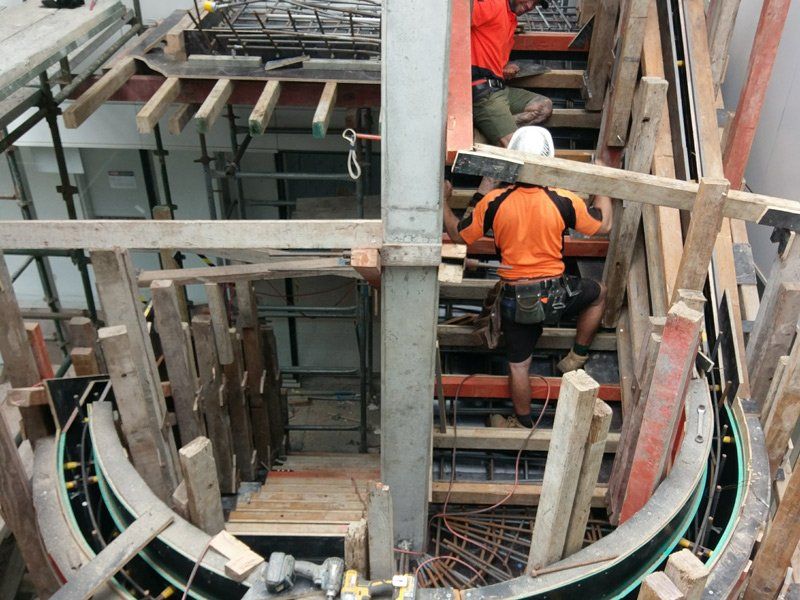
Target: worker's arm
x: 450, y: 219
x: 605, y: 206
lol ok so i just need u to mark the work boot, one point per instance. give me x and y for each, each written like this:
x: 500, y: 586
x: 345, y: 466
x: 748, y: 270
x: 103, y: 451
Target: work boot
x: 505, y: 422
x: 572, y: 362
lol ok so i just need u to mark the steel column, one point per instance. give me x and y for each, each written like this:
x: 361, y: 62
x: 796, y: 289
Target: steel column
x: 412, y: 169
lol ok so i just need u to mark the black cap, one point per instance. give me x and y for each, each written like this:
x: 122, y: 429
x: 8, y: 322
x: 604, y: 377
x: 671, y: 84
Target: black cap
x: 544, y: 3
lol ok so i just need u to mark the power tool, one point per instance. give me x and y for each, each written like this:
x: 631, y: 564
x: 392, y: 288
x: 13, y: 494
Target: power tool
x: 280, y: 572
x: 399, y: 587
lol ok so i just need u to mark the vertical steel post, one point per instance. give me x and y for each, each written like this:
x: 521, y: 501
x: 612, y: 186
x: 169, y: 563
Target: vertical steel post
x: 414, y: 58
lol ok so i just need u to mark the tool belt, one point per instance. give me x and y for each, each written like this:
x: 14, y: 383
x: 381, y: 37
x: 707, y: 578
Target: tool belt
x: 539, y: 302
x: 485, y: 83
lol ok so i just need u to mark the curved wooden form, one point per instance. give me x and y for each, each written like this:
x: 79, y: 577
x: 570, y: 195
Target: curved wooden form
x: 635, y: 548
x: 728, y: 563
x: 68, y: 553
x: 175, y: 551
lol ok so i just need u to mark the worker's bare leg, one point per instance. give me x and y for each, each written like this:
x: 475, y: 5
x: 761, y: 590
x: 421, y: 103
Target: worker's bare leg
x: 519, y: 379
x: 589, y: 319
x: 489, y: 183
x: 536, y: 111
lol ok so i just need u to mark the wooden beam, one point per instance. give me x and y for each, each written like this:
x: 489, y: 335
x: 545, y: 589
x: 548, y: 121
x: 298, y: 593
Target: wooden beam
x: 721, y: 17
x: 601, y: 55
x: 202, y: 485
x: 488, y: 493
x: 380, y: 527
x: 116, y: 555
x: 44, y: 366
x: 594, y: 447
x: 322, y: 117
x: 773, y: 333
x: 27, y: 397
x: 238, y: 401
x: 576, y: 402
x: 168, y: 260
x: 115, y: 282
x: 702, y: 235
x: 187, y: 235
x: 140, y: 426
x: 101, y: 90
x: 774, y: 554
x: 495, y: 438
x: 616, y: 183
x: 626, y: 68
x: 210, y: 398
x: 784, y: 412
x: 570, y: 79
x: 180, y: 117
x: 18, y: 358
x: 648, y: 108
x: 157, y: 106
x: 83, y: 334
x: 217, y: 307
x: 573, y: 118
x: 178, y: 358
x: 246, y: 272
x: 774, y: 386
x: 688, y: 573
x: 367, y: 262
x: 265, y: 106
x: 664, y: 405
x: 256, y: 373
x: 212, y: 107
x: 84, y: 361
x: 657, y: 586
x: 16, y: 498
x: 356, y: 552
x: 663, y: 235
x: 751, y: 98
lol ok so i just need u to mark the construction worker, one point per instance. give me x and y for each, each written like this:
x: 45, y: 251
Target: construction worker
x: 498, y: 110
x: 528, y: 223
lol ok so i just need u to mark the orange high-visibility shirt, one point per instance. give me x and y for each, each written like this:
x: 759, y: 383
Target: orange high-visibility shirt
x: 492, y: 34
x: 528, y: 223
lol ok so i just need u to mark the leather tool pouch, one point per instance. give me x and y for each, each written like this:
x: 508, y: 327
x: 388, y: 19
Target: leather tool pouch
x: 535, y: 305
x: 488, y: 323
x: 479, y: 92
x: 529, y: 308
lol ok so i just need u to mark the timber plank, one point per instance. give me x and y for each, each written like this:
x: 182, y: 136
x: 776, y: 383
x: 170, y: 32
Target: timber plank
x: 526, y: 494
x: 100, y: 91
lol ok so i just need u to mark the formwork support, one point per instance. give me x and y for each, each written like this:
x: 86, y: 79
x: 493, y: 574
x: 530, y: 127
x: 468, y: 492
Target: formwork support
x: 413, y: 135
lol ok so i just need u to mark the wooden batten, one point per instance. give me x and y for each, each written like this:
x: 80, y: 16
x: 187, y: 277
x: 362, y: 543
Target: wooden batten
x: 212, y: 107
x: 623, y: 78
x: 322, y: 117
x: 595, y: 446
x: 784, y: 411
x: 101, y: 90
x: 180, y: 117
x: 380, y: 527
x: 688, y: 573
x: 178, y: 357
x: 265, y: 107
x: 576, y: 402
x: 140, y: 426
x: 238, y: 402
x: 217, y: 306
x: 367, y: 263
x: 157, y: 106
x: 657, y: 586
x: 601, y: 56
x: 199, y: 471
x: 648, y: 108
x: 210, y: 400
x: 663, y: 406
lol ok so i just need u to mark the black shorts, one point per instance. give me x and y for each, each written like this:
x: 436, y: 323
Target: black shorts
x: 520, y: 339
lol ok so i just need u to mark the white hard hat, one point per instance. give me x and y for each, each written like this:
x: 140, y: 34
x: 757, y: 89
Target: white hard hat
x: 533, y: 140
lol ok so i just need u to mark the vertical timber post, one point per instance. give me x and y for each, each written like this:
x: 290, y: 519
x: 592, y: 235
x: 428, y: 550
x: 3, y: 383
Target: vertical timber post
x: 413, y: 134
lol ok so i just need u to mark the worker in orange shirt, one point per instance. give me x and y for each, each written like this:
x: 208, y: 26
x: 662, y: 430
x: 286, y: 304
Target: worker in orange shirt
x: 528, y: 223
x: 497, y: 109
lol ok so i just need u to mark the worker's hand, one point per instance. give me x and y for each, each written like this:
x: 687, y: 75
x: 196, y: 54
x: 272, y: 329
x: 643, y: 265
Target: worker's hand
x: 510, y: 71
x: 447, y: 191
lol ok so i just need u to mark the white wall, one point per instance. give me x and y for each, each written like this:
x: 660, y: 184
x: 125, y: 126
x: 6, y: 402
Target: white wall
x: 773, y: 167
